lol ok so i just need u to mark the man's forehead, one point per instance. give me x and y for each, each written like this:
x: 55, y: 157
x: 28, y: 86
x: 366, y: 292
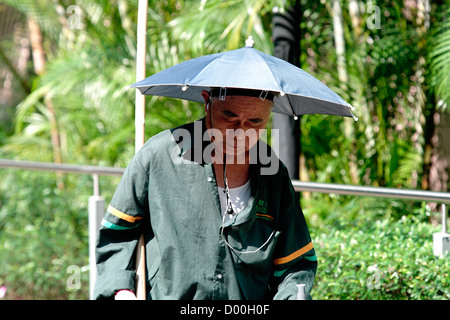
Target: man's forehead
x: 223, y: 93
x: 233, y: 102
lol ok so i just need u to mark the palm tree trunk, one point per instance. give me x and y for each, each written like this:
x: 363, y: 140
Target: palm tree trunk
x: 23, y: 81
x: 439, y: 170
x: 436, y: 159
x: 39, y: 62
x: 426, y: 127
x: 36, y: 46
x: 286, y: 39
x: 338, y: 29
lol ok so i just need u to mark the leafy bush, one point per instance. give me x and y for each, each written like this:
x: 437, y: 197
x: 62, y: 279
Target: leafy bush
x: 44, y: 231
x: 382, y: 257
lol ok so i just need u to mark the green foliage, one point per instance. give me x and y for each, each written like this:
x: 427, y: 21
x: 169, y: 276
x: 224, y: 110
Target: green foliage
x: 367, y: 248
x: 44, y: 231
x: 385, y: 69
x: 439, y: 56
x: 365, y: 254
x: 214, y: 26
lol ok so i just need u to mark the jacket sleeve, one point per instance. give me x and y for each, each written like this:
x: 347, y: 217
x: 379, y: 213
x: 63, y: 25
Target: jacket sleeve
x: 120, y: 232
x: 295, y: 260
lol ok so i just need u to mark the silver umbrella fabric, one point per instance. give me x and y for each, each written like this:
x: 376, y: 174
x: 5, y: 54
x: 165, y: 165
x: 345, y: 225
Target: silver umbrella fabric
x: 296, y: 91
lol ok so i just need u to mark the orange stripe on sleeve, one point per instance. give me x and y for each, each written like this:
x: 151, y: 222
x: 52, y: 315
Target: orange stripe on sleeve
x: 122, y: 215
x: 265, y: 216
x: 294, y: 255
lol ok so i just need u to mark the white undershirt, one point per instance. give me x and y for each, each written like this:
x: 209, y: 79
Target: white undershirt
x: 239, y: 197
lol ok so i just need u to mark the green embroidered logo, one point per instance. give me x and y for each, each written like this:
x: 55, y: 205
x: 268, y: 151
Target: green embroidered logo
x: 261, y: 210
x: 261, y: 207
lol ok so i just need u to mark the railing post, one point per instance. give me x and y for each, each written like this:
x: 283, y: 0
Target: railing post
x: 96, y: 212
x: 444, y: 218
x: 441, y: 240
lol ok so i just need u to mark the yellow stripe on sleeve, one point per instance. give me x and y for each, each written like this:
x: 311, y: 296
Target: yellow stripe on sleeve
x: 294, y: 255
x: 122, y: 215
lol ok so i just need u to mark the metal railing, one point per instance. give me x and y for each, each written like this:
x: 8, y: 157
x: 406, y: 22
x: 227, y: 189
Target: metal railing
x: 441, y: 240
x: 97, y: 203
x: 417, y: 195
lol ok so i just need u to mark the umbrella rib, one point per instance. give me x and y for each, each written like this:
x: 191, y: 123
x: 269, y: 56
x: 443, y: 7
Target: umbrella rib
x: 347, y: 105
x: 205, y: 68
x: 292, y: 108
x: 273, y: 75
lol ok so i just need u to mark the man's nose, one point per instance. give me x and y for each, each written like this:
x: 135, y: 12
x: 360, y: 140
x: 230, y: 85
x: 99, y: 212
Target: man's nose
x: 241, y: 125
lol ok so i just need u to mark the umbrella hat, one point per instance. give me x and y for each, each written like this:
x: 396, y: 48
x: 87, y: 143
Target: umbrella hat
x: 295, y: 91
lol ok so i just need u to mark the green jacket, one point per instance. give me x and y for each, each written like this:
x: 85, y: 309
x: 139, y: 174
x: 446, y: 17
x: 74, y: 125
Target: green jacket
x: 171, y: 195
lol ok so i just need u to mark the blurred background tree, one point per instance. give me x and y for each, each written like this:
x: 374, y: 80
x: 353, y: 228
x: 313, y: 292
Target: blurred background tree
x: 64, y: 76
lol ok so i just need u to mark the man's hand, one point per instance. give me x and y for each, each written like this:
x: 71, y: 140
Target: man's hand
x: 125, y: 295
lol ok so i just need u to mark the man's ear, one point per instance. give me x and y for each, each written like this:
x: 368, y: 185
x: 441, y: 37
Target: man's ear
x: 206, y: 96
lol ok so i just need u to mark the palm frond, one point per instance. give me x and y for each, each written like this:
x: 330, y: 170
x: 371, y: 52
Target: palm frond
x: 439, y: 57
x: 216, y: 25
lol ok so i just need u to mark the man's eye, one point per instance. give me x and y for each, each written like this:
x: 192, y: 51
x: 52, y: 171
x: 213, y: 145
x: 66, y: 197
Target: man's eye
x: 256, y: 121
x: 229, y: 114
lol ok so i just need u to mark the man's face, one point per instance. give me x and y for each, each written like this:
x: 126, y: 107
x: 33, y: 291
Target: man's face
x: 239, y: 121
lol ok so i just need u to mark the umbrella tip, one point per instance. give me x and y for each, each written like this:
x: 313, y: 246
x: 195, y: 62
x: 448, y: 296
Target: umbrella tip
x: 352, y: 108
x: 249, y: 42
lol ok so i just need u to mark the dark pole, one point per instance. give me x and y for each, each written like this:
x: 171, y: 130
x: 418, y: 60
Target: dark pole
x: 286, y: 35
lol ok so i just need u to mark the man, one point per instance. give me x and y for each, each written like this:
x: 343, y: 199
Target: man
x: 216, y: 225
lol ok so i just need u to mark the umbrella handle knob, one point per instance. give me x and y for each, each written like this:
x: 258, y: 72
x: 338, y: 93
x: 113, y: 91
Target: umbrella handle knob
x: 249, y: 42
